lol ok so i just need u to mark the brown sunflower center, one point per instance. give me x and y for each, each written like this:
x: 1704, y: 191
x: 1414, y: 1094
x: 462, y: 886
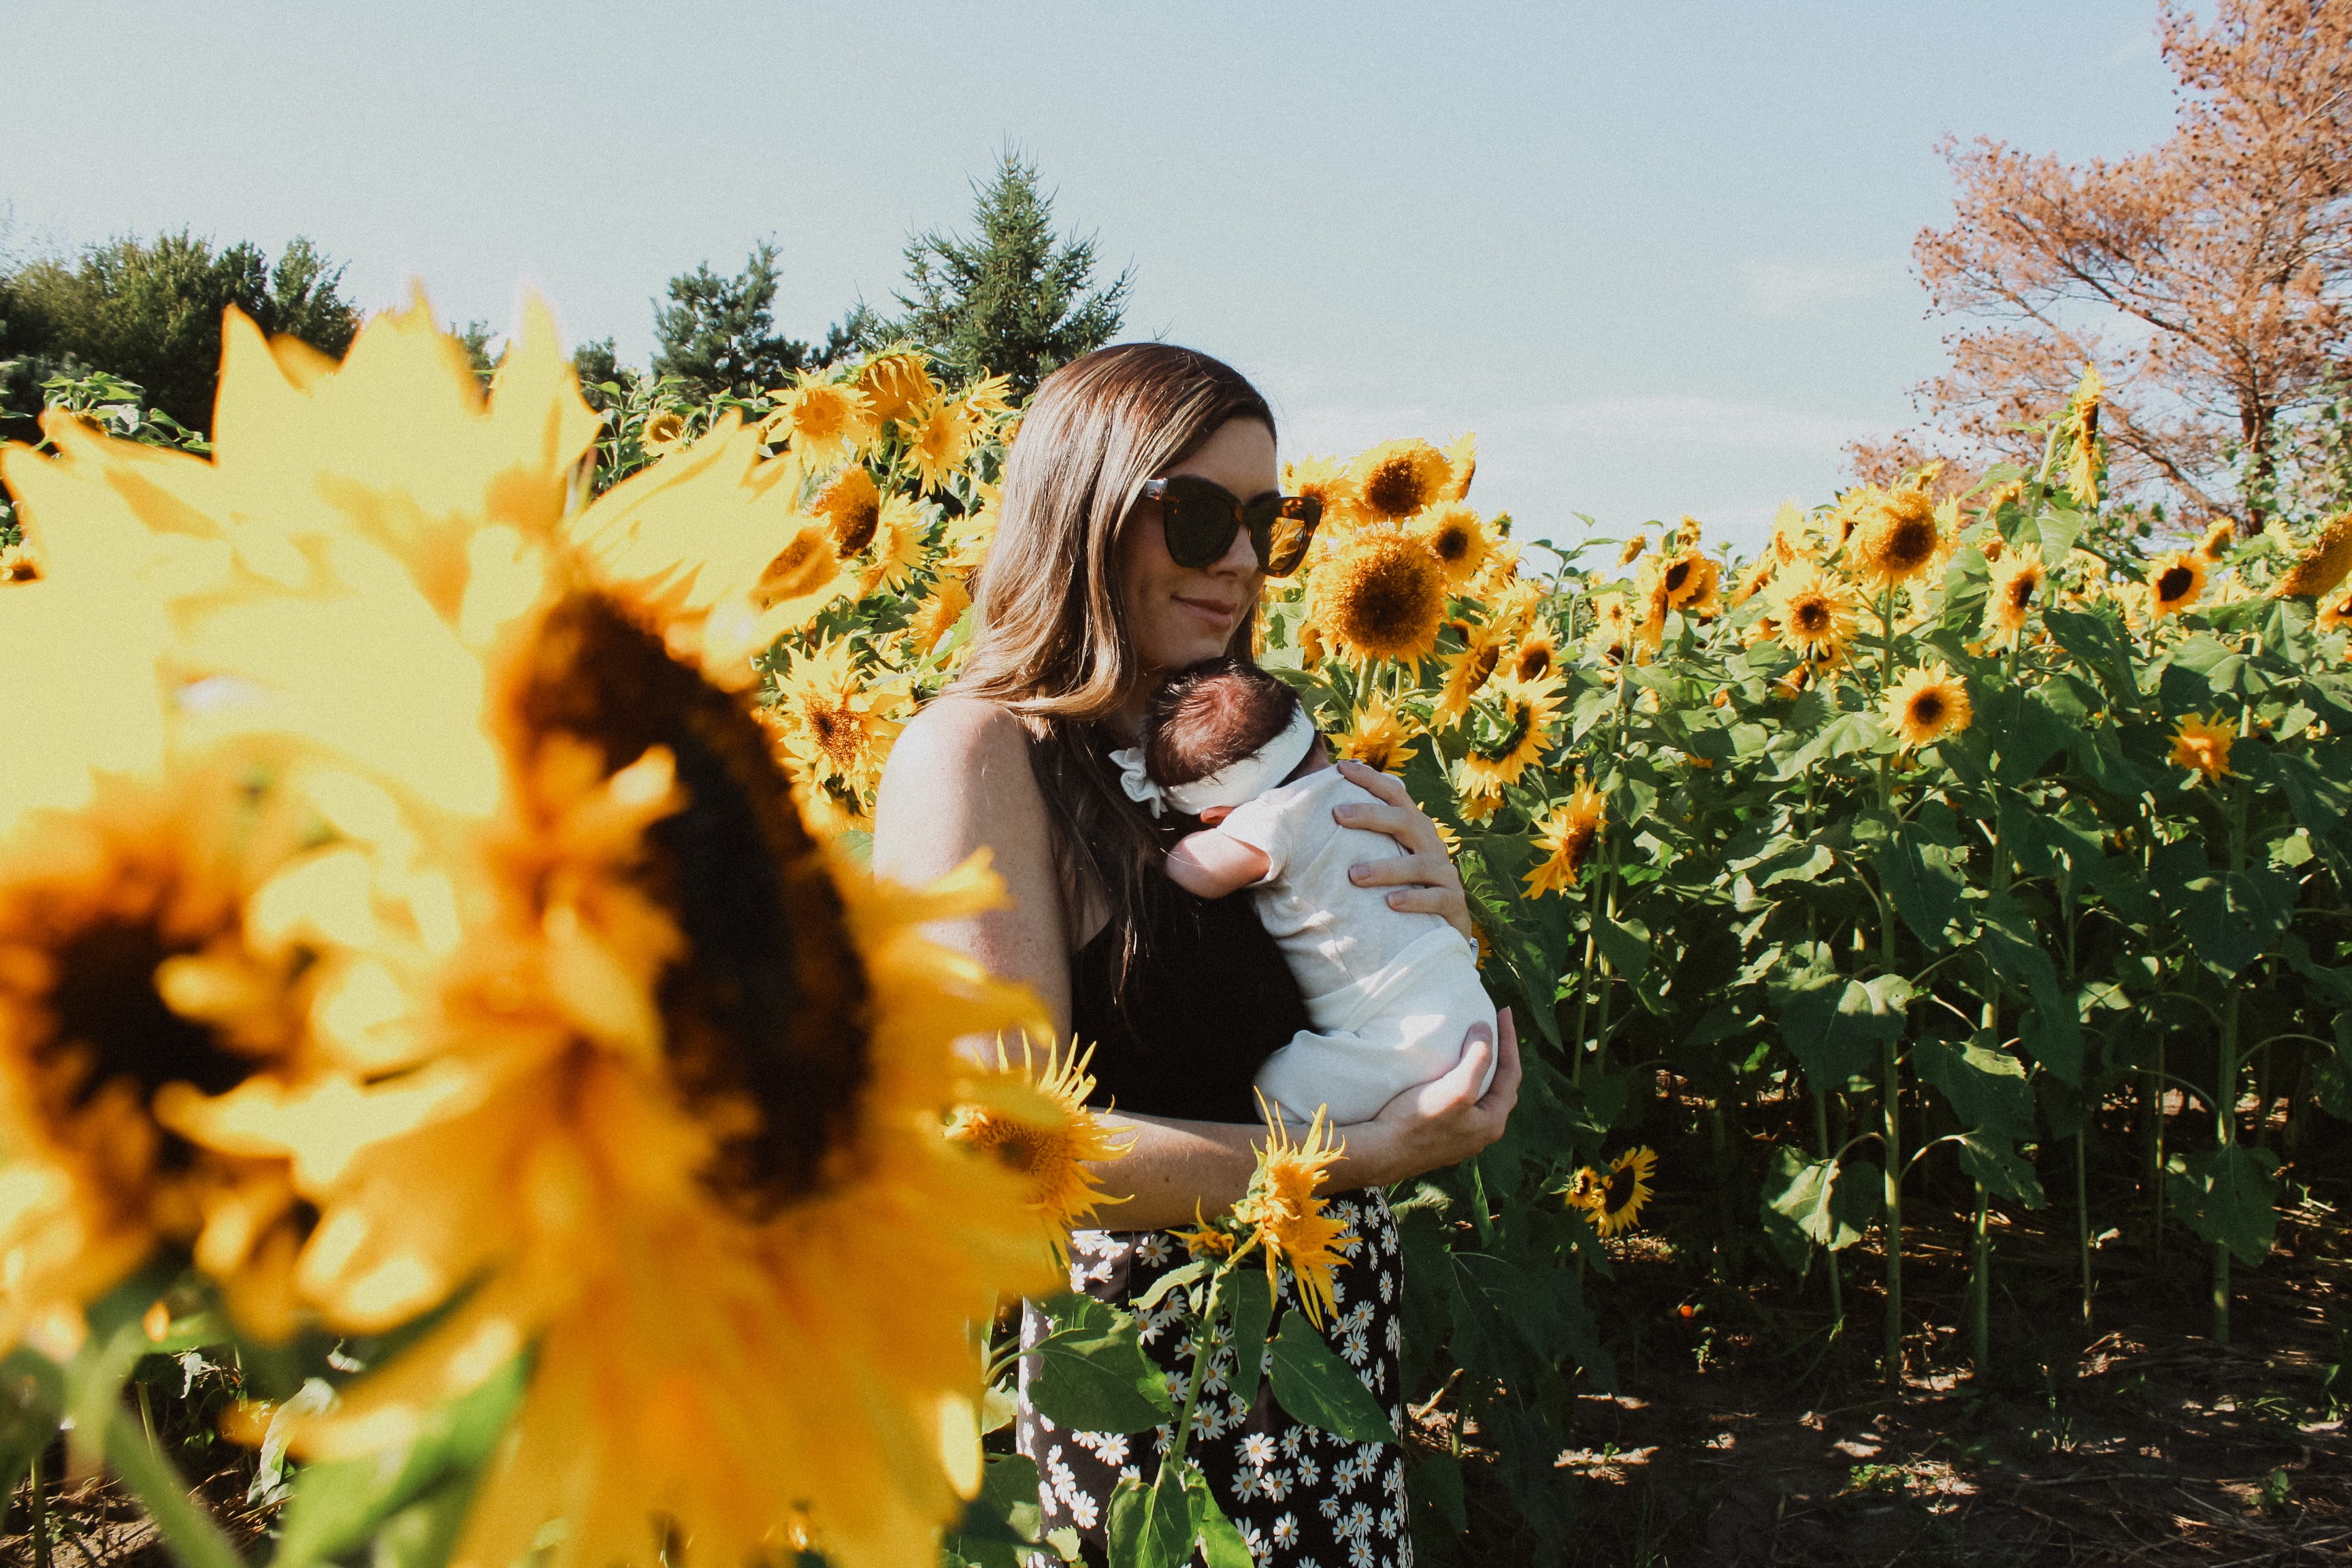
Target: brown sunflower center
x: 1394, y: 489
x: 1618, y: 1191
x: 1677, y: 575
x: 768, y: 1008
x: 1452, y: 543
x: 853, y: 523
x: 1929, y: 709
x: 2173, y: 583
x: 839, y: 734
x: 2020, y: 591
x: 1390, y: 602
x: 107, y: 1011
x: 1482, y: 665
x: 1535, y: 662
x: 1811, y: 616
x: 1911, y: 543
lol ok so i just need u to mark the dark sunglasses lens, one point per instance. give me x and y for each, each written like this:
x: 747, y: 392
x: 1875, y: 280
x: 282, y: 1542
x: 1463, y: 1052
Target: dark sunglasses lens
x: 1197, y: 518
x: 1282, y: 537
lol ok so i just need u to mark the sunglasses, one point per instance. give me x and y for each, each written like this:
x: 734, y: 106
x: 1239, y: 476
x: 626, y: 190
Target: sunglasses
x: 1201, y: 516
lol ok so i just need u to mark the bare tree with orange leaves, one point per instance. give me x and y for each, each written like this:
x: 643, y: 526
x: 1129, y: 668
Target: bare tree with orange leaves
x: 2206, y: 278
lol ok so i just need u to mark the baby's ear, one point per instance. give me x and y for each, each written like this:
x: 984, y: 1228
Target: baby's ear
x: 1212, y: 816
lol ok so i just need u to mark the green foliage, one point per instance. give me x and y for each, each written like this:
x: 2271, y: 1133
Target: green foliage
x: 1011, y: 301
x: 718, y: 334
x: 150, y: 312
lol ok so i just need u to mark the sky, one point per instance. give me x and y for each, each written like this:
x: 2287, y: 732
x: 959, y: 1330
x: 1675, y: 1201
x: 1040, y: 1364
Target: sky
x: 1657, y: 257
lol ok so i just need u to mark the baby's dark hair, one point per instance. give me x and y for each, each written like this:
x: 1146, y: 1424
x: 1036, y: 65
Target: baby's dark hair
x: 1208, y: 716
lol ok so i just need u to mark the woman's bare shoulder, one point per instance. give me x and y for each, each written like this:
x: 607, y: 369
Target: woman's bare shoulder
x: 961, y: 736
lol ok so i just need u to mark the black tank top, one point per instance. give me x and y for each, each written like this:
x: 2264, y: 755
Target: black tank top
x: 1206, y: 1000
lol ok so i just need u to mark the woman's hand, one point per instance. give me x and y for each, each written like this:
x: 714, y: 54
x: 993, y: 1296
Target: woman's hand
x: 1441, y: 1122
x: 1424, y: 878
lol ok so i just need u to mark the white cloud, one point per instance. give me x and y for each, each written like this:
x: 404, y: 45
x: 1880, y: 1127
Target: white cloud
x: 1795, y: 289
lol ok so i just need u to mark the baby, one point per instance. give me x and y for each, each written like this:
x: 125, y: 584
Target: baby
x: 1391, y: 995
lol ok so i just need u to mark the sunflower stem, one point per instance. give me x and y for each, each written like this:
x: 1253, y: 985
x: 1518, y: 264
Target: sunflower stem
x: 2082, y: 1219
x: 1890, y: 1088
x: 2225, y: 1101
x: 40, y: 1508
x: 195, y: 1537
x: 1204, y: 1338
x: 1981, y: 1287
x: 1821, y: 1141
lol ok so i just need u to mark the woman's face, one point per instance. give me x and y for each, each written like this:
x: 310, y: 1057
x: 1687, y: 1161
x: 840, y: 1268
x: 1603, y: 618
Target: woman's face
x: 1176, y: 615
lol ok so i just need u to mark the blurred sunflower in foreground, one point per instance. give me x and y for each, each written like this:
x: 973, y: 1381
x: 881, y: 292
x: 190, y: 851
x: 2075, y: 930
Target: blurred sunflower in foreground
x: 608, y: 1063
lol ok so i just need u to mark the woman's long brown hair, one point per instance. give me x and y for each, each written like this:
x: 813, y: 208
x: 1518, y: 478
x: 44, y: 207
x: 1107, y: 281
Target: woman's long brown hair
x: 1051, y: 642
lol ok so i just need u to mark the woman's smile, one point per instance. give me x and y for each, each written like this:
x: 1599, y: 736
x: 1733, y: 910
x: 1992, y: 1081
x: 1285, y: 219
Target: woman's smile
x: 1217, y: 611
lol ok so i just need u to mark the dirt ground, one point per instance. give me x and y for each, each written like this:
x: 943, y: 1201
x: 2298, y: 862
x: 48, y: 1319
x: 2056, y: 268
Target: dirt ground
x: 1745, y: 1432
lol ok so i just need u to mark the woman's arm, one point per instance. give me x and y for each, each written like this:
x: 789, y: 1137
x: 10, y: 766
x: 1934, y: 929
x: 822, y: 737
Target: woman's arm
x: 1176, y: 1165
x: 1423, y: 878
x: 957, y: 780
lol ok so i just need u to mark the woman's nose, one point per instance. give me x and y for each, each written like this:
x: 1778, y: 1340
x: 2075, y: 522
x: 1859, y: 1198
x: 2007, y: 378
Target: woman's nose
x: 1240, y: 558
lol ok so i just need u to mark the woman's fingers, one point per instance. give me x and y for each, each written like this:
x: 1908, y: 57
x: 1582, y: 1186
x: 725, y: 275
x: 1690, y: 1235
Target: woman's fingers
x: 1387, y: 786
x: 1417, y: 871
x: 1504, y: 1092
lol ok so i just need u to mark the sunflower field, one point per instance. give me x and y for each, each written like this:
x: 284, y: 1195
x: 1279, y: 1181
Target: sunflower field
x: 408, y: 764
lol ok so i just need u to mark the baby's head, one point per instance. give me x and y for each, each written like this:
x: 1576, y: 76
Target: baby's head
x: 1222, y: 731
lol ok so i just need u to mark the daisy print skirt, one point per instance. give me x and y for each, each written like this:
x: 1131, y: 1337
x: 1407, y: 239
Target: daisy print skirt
x: 1301, y: 1497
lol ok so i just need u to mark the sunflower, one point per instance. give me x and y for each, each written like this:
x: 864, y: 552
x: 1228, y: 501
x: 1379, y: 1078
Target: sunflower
x: 2203, y: 746
x: 647, y: 1086
x: 2017, y: 577
x: 1509, y: 736
x: 1461, y: 461
x: 1454, y: 533
x: 1633, y: 550
x: 2176, y: 581
x: 1897, y: 538
x: 1376, y: 736
x: 1044, y: 1133
x: 1688, y: 580
x: 2327, y: 562
x: 1567, y: 837
x: 1615, y: 1197
x: 664, y: 431
x: 1927, y: 704
x: 965, y: 546
x: 1468, y: 670
x: 937, y: 615
x: 837, y: 725
x: 851, y: 505
x: 1397, y: 478
x: 131, y: 962
x: 1686, y: 535
x: 1286, y: 1217
x: 1380, y: 596
x: 939, y: 438
x: 709, y: 546
x: 2081, y: 427
x: 1815, y: 611
x: 894, y: 385
x: 2335, y: 611
x: 1537, y: 657
x: 1612, y: 627
x: 898, y: 545
x: 825, y: 421
x: 2220, y: 540
x: 1327, y: 479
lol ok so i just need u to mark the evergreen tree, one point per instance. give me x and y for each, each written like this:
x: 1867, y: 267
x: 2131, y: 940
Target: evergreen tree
x: 1009, y: 300
x: 718, y: 334
x: 151, y: 313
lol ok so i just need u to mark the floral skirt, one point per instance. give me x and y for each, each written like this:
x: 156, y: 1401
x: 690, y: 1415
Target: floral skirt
x: 1301, y: 1497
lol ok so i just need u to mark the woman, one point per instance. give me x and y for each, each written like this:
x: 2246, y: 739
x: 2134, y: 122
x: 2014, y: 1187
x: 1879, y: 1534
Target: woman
x: 1082, y: 609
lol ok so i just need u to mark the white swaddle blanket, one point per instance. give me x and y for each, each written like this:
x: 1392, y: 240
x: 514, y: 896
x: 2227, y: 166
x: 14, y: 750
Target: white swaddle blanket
x: 1391, y: 995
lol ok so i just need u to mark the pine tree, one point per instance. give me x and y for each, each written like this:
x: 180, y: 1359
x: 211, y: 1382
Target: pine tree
x: 1009, y: 300
x: 718, y: 334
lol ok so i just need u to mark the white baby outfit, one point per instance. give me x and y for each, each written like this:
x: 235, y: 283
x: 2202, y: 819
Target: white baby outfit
x: 1392, y: 993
